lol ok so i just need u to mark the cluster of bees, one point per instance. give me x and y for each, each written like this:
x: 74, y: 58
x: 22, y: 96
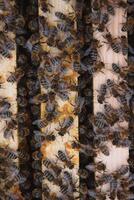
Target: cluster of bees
x: 50, y: 59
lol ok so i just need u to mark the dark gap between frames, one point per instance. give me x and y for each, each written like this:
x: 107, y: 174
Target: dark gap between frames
x: 85, y: 85
x: 130, y: 80
x: 27, y: 112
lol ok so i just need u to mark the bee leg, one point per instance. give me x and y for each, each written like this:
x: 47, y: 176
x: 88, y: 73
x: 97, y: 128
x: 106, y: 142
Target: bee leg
x: 50, y: 5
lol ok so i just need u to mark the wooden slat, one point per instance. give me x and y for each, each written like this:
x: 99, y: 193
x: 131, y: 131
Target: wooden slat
x: 65, y: 108
x: 118, y: 155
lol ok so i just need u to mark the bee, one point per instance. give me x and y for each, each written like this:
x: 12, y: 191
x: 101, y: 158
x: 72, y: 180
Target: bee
x: 99, y: 167
x: 110, y: 9
x: 66, y: 124
x: 122, y: 4
x: 64, y: 158
x: 40, y: 98
x: 103, y: 22
x: 33, y: 25
x: 121, y: 71
x: 123, y: 170
x: 22, y: 102
x: 94, y: 52
x: 1, y: 82
x: 35, y: 110
x: 98, y: 66
x: 22, y: 117
x: 104, y: 149
x: 41, y: 137
x: 111, y: 114
x: 64, y: 189
x: 23, y: 155
x: 45, y: 6
x: 99, y: 123
x: 5, y: 53
x: 48, y: 175
x: 36, y: 155
x: 6, y: 114
x: 38, y: 177
x: 22, y: 59
x: 124, y: 45
x: 24, y: 132
x: 63, y: 27
x: 2, y: 5
x: 104, y: 179
x: 51, y: 165
x: 114, y: 89
x: 96, y: 5
x: 10, y: 126
x: 128, y: 25
x: 19, y: 178
x: 102, y: 93
x: 60, y: 15
x: 22, y: 91
x: 41, y: 123
x: 37, y: 193
x: 10, y: 154
x: 34, y: 39
x: 79, y: 103
x: 15, y: 76
x: 113, y: 42
x: 51, y: 110
x: 36, y: 165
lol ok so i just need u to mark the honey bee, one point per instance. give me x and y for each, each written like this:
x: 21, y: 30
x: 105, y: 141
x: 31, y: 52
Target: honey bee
x: 34, y: 39
x: 99, y: 167
x: 23, y: 155
x: 66, y: 124
x: 114, y: 89
x: 33, y: 25
x: 111, y: 9
x: 36, y: 165
x: 104, y: 20
x: 45, y: 6
x: 104, y: 149
x: 4, y: 104
x: 79, y: 103
x: 36, y: 155
x: 37, y: 193
x: 63, y: 27
x: 15, y: 76
x: 19, y: 178
x: 128, y: 25
x: 10, y: 126
x: 124, y: 169
x: 65, y: 159
x: 41, y: 123
x: 104, y: 179
x: 124, y: 45
x: 9, y: 154
x: 122, y: 4
x: 24, y: 132
x: 40, y: 98
x: 22, y: 91
x: 5, y: 53
x: 44, y: 137
x: 94, y: 52
x: 48, y: 175
x: 113, y: 42
x: 51, y: 165
x: 6, y: 114
x: 111, y: 114
x: 99, y: 123
x: 102, y: 93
